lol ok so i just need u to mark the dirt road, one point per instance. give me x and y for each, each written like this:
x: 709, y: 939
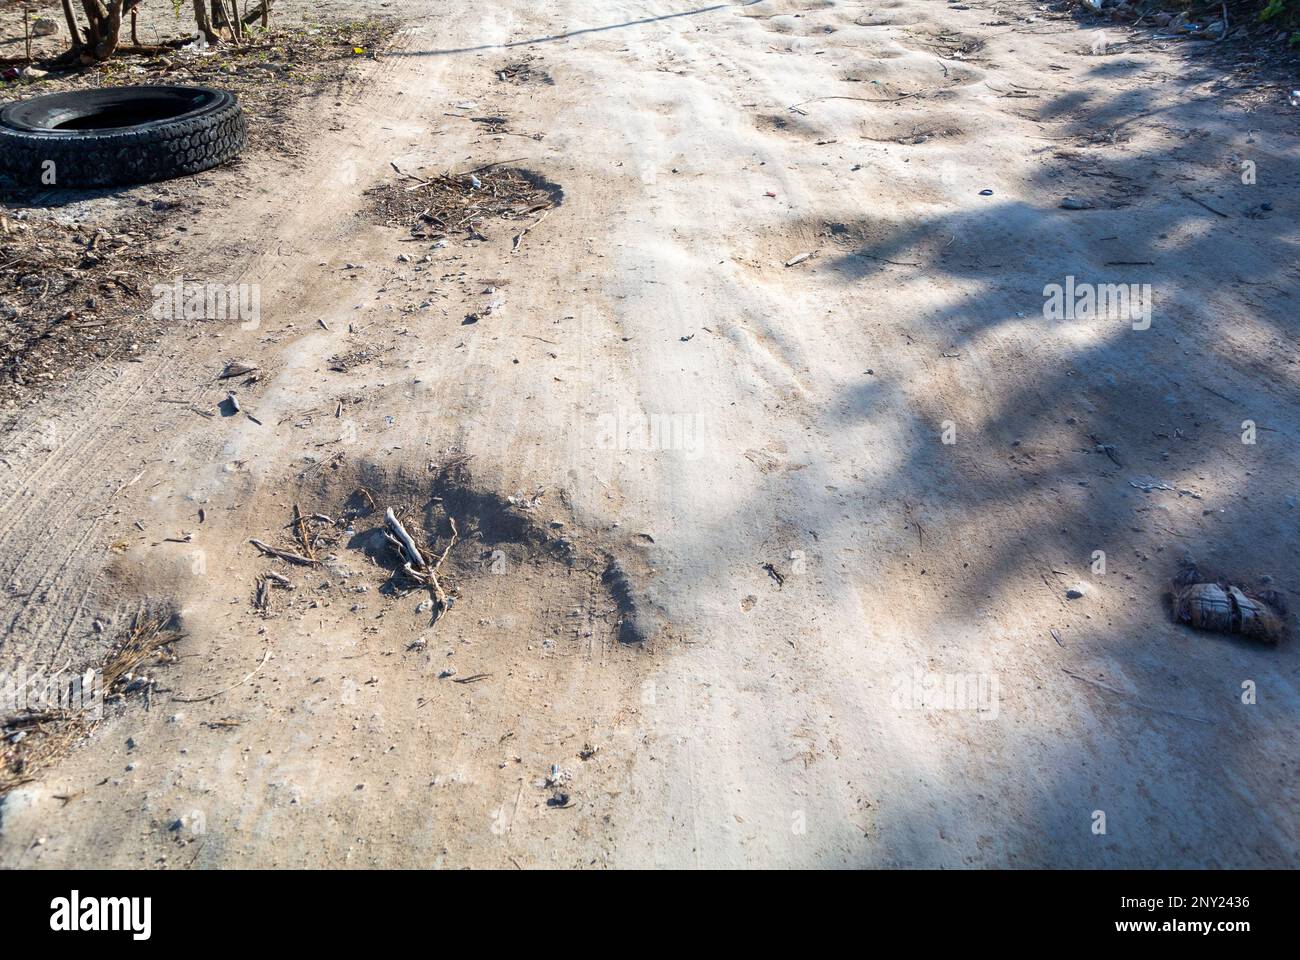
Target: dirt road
x: 839, y: 498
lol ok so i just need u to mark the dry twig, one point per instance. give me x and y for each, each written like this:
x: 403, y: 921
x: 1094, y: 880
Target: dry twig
x: 271, y: 551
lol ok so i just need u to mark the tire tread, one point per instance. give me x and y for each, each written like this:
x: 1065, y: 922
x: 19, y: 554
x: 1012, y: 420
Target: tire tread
x: 117, y: 158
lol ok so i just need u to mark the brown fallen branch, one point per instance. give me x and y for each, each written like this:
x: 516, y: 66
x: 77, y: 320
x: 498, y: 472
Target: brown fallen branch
x: 397, y: 533
x: 1201, y: 203
x: 413, y: 564
x: 407, y: 176
x: 271, y: 551
x: 262, y: 599
x: 519, y: 237
x: 455, y: 535
x: 300, y: 524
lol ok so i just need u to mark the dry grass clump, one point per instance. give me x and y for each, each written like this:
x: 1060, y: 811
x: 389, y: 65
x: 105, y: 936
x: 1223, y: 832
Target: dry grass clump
x: 32, y: 738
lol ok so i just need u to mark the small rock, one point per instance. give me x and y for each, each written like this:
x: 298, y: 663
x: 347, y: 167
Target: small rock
x: 1076, y: 591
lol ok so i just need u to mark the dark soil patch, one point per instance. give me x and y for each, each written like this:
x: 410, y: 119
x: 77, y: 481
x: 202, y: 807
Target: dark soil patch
x: 72, y: 294
x: 523, y: 73
x: 446, y: 511
x: 463, y: 203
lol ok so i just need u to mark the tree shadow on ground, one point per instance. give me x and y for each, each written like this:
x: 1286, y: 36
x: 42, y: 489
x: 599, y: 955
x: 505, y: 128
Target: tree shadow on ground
x: 1134, y: 716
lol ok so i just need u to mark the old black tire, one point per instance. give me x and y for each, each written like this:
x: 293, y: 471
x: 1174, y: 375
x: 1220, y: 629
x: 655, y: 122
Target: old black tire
x: 112, y: 136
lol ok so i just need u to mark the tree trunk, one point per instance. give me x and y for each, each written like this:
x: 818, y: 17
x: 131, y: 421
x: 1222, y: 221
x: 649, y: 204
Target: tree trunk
x: 203, y: 23
x: 110, y: 30
x: 101, y: 37
x: 74, y: 33
x: 220, y: 16
x: 104, y: 27
x: 94, y: 12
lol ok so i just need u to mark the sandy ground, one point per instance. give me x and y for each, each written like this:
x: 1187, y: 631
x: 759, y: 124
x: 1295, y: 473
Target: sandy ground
x: 801, y: 414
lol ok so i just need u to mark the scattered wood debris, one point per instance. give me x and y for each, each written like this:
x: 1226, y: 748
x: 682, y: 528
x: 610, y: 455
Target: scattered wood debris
x: 415, y: 566
x: 464, y: 203
x: 522, y: 73
x: 288, y: 555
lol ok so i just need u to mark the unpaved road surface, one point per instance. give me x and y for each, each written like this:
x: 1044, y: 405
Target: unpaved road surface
x: 808, y: 492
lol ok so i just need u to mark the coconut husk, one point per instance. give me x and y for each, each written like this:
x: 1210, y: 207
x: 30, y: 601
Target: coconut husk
x: 1225, y: 607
